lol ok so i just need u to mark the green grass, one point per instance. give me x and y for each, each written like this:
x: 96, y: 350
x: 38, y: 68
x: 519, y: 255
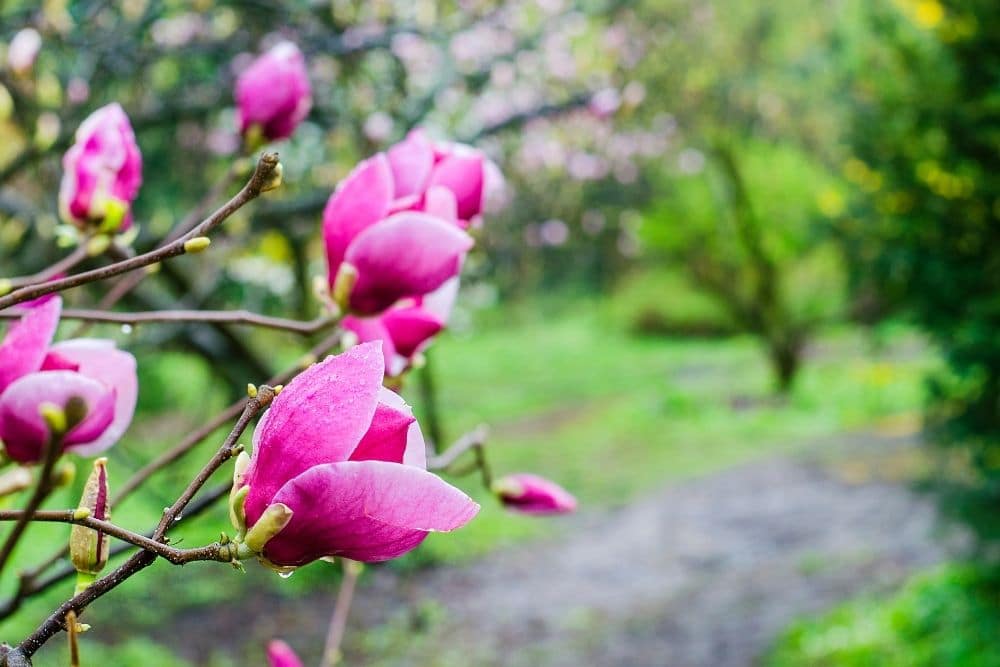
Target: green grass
x: 947, y: 616
x: 610, y: 415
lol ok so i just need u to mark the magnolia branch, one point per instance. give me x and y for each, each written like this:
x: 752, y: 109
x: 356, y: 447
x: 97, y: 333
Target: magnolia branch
x: 63, y: 265
x: 265, y: 177
x: 165, y: 316
x: 217, y: 552
x: 474, y: 440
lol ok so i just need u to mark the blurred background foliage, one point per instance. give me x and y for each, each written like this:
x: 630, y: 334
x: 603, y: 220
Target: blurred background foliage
x: 742, y: 197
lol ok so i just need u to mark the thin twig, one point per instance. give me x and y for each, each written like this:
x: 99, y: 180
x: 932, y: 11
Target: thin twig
x: 338, y: 621
x: 262, y: 176
x: 175, y: 556
x: 474, y: 439
x: 78, y: 254
x: 221, y: 316
x: 183, y: 226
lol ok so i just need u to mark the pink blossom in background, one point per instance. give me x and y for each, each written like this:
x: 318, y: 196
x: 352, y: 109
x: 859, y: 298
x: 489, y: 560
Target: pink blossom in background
x: 102, y: 171
x: 531, y: 494
x: 280, y: 654
x: 345, y: 458
x: 34, y: 372
x: 23, y: 50
x: 407, y: 328
x: 273, y: 94
x: 373, y: 227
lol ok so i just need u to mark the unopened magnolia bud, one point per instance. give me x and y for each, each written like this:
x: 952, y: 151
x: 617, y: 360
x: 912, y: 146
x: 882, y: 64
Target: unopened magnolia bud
x: 197, y: 244
x: 251, y: 390
x: 88, y: 548
x: 274, y: 181
x: 5, y: 286
x: 347, y: 276
x: 270, y: 523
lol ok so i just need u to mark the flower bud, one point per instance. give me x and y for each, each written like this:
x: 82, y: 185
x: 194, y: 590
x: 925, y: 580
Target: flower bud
x: 280, y: 654
x: 273, y: 95
x: 88, y: 548
x: 531, y: 494
x: 102, y: 172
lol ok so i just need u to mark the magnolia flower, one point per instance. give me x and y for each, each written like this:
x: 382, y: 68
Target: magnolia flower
x: 407, y: 328
x: 280, y: 654
x: 377, y: 256
x: 23, y: 51
x: 531, y: 494
x: 273, y: 95
x: 90, y: 382
x: 338, y: 469
x: 102, y: 172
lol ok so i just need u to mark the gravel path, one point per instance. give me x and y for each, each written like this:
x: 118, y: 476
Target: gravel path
x: 703, y: 573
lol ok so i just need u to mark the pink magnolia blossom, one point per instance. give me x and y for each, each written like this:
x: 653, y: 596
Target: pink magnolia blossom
x: 390, y: 255
x: 407, y: 328
x: 344, y: 458
x: 280, y: 654
x: 531, y: 494
x: 102, y: 171
x: 34, y: 372
x: 273, y: 94
x: 23, y: 50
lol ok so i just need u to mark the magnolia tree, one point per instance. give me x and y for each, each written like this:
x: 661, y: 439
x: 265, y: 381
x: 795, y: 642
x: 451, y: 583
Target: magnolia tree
x: 337, y: 467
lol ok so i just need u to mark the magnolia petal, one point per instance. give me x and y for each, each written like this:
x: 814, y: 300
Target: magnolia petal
x: 24, y: 348
x: 463, y: 175
x: 360, y: 200
x: 102, y: 361
x: 368, y: 329
x: 411, y: 160
x: 24, y: 431
x: 410, y: 328
x: 368, y: 511
x: 440, y: 201
x: 386, y: 439
x: 319, y: 417
x: 408, y: 254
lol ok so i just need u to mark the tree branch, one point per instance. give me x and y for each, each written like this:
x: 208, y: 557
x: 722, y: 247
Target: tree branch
x: 262, y: 176
x: 175, y: 556
x: 220, y: 316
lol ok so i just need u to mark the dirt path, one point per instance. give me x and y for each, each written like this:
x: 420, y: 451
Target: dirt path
x: 703, y: 573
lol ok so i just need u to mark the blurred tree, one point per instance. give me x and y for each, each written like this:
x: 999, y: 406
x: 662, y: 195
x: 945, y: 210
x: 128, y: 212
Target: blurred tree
x: 744, y: 208
x: 927, y: 160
